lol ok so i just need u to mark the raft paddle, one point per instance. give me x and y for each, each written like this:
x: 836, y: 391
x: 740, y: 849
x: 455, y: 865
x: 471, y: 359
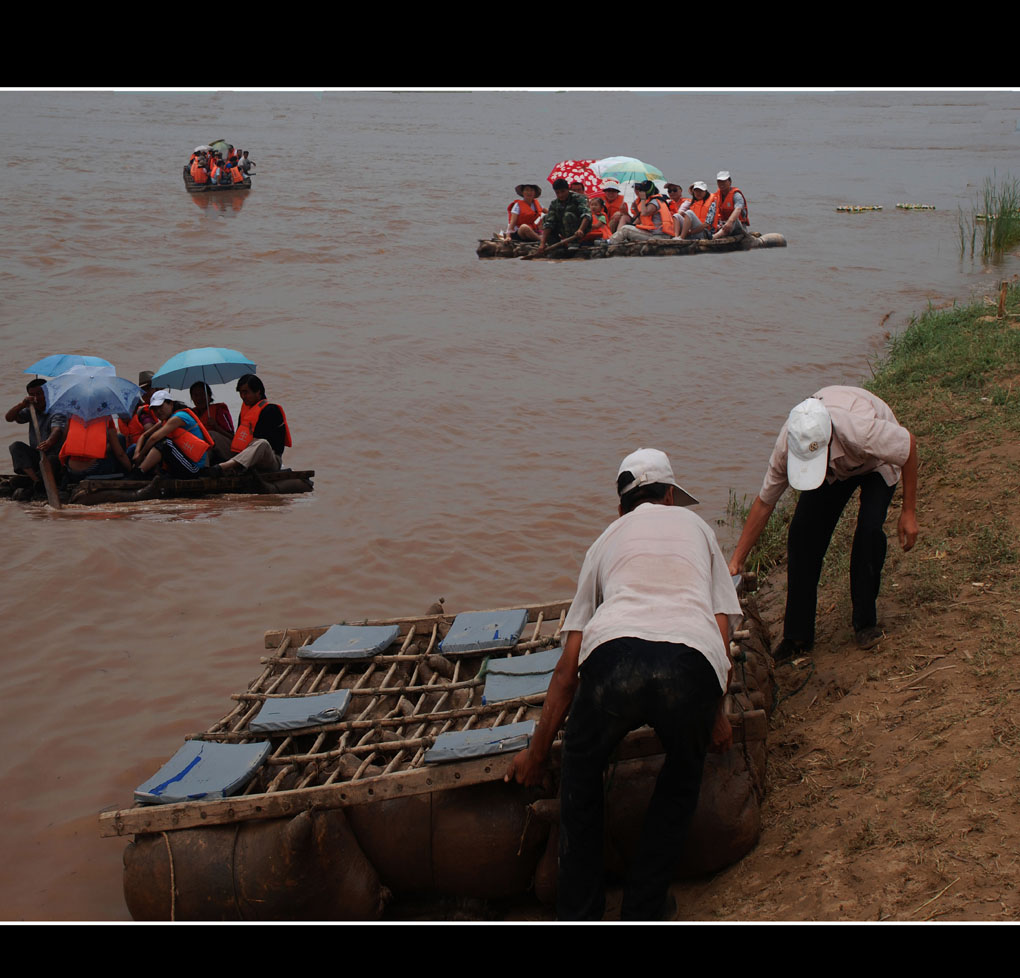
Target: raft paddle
x: 559, y: 244
x: 49, y: 482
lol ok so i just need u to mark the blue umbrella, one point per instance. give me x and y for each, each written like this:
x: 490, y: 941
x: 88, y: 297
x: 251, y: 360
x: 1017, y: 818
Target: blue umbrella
x: 91, y: 396
x: 60, y: 363
x: 212, y: 364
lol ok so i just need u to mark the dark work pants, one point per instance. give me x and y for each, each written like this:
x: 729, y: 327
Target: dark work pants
x: 23, y: 457
x: 625, y: 684
x: 814, y: 520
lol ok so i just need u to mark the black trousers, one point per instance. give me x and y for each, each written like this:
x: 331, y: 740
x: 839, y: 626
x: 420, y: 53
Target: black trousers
x: 817, y: 513
x: 625, y: 684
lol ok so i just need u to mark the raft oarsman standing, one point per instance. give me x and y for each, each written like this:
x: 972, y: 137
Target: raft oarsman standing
x: 839, y: 440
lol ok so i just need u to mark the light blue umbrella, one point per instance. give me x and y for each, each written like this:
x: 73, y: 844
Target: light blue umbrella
x: 90, y: 396
x: 212, y: 364
x: 60, y: 363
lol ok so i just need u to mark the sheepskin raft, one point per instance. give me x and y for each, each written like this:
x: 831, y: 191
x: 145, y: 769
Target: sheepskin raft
x: 95, y: 492
x: 497, y: 247
x: 393, y: 785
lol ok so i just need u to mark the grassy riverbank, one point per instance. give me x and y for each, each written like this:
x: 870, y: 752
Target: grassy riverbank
x: 894, y: 790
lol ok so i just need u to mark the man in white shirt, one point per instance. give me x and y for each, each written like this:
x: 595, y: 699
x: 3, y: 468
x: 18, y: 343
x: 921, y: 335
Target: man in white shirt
x: 646, y: 641
x: 839, y: 440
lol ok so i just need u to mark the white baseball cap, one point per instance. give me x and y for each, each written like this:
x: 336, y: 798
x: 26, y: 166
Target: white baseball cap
x: 648, y: 466
x: 723, y: 175
x: 159, y: 398
x: 808, y: 430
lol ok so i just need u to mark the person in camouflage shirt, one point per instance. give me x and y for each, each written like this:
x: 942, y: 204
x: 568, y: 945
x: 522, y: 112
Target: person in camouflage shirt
x: 567, y: 216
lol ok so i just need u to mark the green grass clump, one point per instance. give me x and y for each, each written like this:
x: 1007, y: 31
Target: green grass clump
x: 771, y: 546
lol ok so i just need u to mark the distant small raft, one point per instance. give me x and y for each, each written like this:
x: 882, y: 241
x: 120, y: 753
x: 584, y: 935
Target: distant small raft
x: 202, y: 188
x: 496, y: 247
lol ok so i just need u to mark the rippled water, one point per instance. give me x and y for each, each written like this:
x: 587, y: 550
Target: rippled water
x: 465, y: 419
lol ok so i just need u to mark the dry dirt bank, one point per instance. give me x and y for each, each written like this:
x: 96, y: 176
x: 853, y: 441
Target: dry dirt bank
x: 893, y: 786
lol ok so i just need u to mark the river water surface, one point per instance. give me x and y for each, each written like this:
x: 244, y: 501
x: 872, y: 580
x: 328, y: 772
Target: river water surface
x: 465, y: 419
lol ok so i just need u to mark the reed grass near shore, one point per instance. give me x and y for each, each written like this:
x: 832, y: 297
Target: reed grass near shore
x: 993, y: 228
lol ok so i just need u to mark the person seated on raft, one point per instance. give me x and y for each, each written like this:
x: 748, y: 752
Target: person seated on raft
x: 616, y: 208
x: 143, y: 418
x: 652, y: 218
x: 525, y: 214
x: 180, y: 441
x: 93, y: 448
x: 262, y: 432
x: 692, y: 220
x: 677, y: 202
x: 245, y: 164
x: 216, y: 418
x: 52, y: 427
x: 728, y: 213
x: 568, y: 216
x: 599, y: 219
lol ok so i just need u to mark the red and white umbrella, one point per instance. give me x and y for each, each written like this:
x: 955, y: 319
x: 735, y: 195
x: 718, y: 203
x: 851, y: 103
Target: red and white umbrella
x: 577, y: 171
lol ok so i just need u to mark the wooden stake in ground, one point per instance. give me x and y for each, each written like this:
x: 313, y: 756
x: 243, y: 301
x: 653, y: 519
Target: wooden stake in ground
x: 1002, y: 301
x: 44, y: 465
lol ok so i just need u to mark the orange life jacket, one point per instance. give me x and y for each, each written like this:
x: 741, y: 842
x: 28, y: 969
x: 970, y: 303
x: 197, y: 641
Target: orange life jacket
x: 85, y: 440
x: 143, y: 418
x: 599, y: 229
x: 199, y: 174
x: 191, y: 446
x: 674, y: 205
x: 724, y: 208
x: 699, y: 208
x: 646, y: 222
x: 529, y: 213
x: 612, y: 206
x: 236, y: 175
x: 221, y: 414
x: 246, y: 422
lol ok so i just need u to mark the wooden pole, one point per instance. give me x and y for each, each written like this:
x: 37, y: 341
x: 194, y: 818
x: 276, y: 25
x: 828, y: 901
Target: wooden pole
x: 52, y: 497
x: 1002, y: 301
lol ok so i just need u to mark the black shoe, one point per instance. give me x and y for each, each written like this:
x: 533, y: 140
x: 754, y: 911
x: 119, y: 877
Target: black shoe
x: 789, y: 647
x: 868, y: 638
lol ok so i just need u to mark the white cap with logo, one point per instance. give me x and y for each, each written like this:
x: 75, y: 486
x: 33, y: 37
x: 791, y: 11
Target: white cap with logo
x: 808, y: 430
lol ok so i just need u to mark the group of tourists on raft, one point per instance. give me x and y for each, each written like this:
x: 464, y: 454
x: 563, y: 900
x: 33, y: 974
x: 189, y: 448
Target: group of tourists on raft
x: 604, y: 216
x: 163, y: 437
x: 209, y: 166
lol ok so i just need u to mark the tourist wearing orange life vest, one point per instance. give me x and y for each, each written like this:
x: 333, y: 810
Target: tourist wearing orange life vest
x: 616, y: 208
x: 728, y: 215
x: 262, y: 432
x: 677, y: 202
x: 143, y: 418
x: 599, y: 219
x: 215, y: 416
x: 92, y: 448
x: 652, y: 216
x: 525, y: 214
x: 180, y: 441
x: 692, y: 220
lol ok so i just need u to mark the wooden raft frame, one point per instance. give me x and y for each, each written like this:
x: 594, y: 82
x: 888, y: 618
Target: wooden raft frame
x: 392, y: 722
